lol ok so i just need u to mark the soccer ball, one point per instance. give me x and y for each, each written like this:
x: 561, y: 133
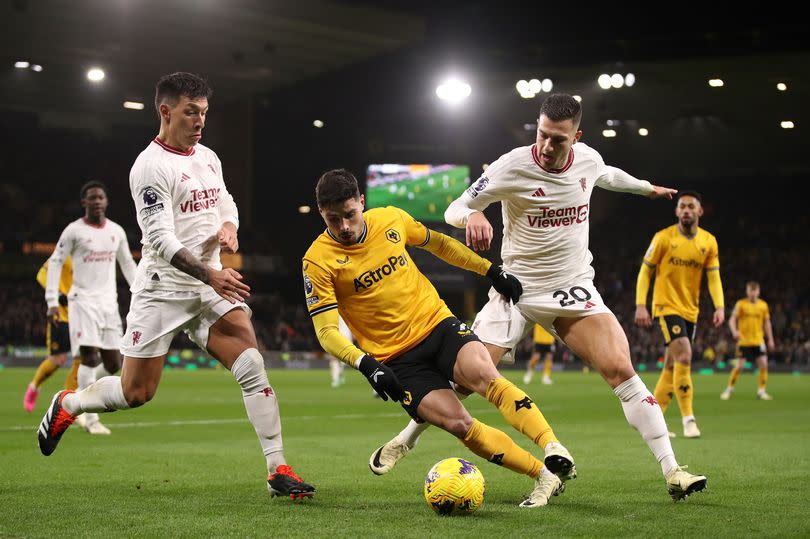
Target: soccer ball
x: 454, y: 487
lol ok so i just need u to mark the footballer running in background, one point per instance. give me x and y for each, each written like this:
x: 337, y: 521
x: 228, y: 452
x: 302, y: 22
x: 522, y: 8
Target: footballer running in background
x: 543, y: 348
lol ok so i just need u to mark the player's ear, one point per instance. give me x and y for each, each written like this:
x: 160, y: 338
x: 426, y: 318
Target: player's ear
x: 164, y: 111
x: 577, y: 136
x: 362, y: 202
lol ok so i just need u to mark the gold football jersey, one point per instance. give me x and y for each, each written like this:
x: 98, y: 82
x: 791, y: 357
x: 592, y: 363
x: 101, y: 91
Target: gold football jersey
x: 388, y: 304
x: 750, y: 319
x: 541, y: 336
x: 679, y: 262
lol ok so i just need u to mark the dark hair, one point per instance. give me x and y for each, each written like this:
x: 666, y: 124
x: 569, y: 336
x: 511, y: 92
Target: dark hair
x: 336, y: 186
x: 752, y: 284
x: 559, y: 107
x: 689, y: 193
x: 175, y: 85
x: 91, y: 185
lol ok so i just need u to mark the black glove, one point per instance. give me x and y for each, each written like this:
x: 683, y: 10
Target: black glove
x: 63, y: 300
x: 505, y: 283
x: 381, y: 378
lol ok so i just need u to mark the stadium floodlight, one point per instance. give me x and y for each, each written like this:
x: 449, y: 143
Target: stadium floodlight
x: 317, y: 123
x: 577, y: 98
x: 95, y: 74
x: 21, y: 64
x: 547, y: 85
x: 643, y: 131
x: 36, y: 67
x: 611, y: 123
x: 535, y: 86
x: 453, y: 91
x: 609, y: 133
x: 617, y: 81
x: 527, y: 95
x: 787, y: 124
x: 629, y: 80
x: 304, y: 209
x: 715, y: 83
x: 522, y: 86
x: 781, y: 86
x: 604, y: 81
x: 133, y: 105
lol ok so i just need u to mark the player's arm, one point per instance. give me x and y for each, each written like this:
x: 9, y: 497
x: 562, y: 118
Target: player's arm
x: 455, y: 253
x: 768, y: 327
x: 645, y: 274
x: 732, y: 323
x: 467, y: 210
x: 64, y: 248
x: 322, y: 305
x: 125, y: 260
x: 615, y: 179
x: 153, y: 203
x: 228, y: 219
x: 712, y: 265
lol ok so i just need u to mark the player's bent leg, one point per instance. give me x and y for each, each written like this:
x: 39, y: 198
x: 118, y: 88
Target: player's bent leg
x: 680, y: 350
x: 472, y: 369
x: 46, y: 368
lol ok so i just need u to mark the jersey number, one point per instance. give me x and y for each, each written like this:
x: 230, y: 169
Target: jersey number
x: 576, y: 292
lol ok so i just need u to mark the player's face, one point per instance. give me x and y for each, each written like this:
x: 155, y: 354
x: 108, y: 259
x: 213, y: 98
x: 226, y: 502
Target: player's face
x: 554, y: 141
x: 95, y: 202
x: 752, y: 292
x: 688, y: 211
x: 345, y: 219
x: 185, y: 120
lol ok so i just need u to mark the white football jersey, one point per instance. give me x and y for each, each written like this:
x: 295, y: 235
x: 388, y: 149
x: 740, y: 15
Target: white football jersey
x: 545, y: 212
x: 94, y: 250
x: 181, y: 201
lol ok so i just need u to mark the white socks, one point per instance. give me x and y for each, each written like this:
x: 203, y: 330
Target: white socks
x: 105, y: 395
x: 643, y: 413
x: 261, y: 404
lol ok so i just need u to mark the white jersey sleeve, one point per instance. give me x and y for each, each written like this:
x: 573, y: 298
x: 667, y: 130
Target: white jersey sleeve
x: 228, y: 212
x: 64, y: 248
x: 615, y: 179
x: 124, y: 257
x: 152, y: 193
x: 488, y: 188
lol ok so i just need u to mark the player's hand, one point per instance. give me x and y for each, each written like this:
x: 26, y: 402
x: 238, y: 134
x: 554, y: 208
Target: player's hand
x: 53, y: 313
x: 735, y: 335
x: 505, y: 283
x: 479, y: 232
x: 662, y: 192
x: 643, y: 319
x: 719, y: 317
x: 228, y: 284
x: 381, y: 378
x: 228, y: 240
x: 771, y: 346
x: 63, y: 301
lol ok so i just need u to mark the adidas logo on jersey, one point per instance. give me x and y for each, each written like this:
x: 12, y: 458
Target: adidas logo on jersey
x: 538, y: 193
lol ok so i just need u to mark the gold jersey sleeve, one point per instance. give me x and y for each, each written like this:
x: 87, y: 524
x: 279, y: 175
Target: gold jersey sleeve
x: 679, y: 263
x: 751, y: 318
x: 65, y: 282
x: 541, y: 336
x: 388, y: 304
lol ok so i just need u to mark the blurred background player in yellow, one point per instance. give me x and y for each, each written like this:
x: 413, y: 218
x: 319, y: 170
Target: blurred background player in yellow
x: 678, y: 255
x: 410, y: 346
x: 543, y: 348
x: 750, y: 317
x: 57, y: 339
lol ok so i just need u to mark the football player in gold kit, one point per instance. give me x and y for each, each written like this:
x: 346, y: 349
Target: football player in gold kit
x: 410, y: 347
x: 750, y: 317
x: 57, y: 339
x: 543, y: 349
x: 678, y: 255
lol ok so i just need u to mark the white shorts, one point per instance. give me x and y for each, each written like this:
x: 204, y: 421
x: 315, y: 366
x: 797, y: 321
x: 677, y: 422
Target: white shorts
x: 156, y: 316
x: 93, y: 323
x: 503, y: 324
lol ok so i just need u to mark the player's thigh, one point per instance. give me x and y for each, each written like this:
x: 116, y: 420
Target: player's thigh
x: 231, y: 335
x: 762, y: 361
x: 442, y: 408
x: 140, y: 377
x: 59, y: 359
x: 679, y: 350
x: 474, y: 369
x: 600, y: 341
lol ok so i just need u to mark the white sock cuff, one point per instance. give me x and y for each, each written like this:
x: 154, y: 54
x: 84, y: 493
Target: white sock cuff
x: 630, y: 388
x: 249, y: 371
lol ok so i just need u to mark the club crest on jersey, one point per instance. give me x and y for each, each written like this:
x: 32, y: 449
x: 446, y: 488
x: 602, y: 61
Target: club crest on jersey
x: 583, y: 183
x: 392, y: 236
x: 479, y: 185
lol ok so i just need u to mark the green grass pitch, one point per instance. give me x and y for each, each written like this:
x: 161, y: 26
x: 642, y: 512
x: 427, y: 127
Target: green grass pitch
x: 425, y: 198
x: 188, y: 465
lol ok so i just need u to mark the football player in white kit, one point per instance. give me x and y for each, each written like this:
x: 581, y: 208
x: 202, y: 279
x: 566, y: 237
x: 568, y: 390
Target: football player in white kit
x: 95, y: 243
x: 187, y: 216
x: 545, y: 192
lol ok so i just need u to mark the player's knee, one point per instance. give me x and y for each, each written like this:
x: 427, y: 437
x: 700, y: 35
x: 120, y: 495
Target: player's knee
x: 617, y: 373
x: 458, y: 426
